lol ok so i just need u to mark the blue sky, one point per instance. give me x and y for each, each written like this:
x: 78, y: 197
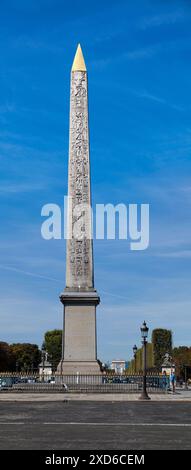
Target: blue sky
x: 138, y: 59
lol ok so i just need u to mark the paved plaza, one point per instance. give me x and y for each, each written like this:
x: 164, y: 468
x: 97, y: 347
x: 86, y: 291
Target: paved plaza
x: 79, y: 425
x: 179, y: 395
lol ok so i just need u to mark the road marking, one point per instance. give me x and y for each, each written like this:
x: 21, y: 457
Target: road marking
x: 98, y: 424
x: 118, y: 424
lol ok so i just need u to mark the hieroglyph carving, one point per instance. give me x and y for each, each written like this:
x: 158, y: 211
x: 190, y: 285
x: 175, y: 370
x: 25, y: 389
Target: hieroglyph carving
x: 79, y: 272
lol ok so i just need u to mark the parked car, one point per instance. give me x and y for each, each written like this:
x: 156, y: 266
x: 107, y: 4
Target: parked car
x: 5, y: 382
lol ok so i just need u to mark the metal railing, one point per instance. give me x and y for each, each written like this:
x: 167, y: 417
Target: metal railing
x: 102, y: 383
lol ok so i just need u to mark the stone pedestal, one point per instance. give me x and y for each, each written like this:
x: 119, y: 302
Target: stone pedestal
x: 79, y: 341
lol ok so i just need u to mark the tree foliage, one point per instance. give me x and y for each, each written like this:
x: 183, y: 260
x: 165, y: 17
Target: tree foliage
x: 26, y: 356
x: 182, y: 357
x: 19, y: 356
x: 136, y: 366
x: 6, y: 357
x: 53, y: 345
x: 162, y: 344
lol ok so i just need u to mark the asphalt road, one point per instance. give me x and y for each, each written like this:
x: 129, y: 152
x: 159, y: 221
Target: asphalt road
x: 95, y: 425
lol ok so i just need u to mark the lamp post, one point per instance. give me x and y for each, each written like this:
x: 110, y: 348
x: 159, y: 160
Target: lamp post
x: 185, y: 377
x: 144, y: 334
x: 43, y: 360
x: 135, y: 356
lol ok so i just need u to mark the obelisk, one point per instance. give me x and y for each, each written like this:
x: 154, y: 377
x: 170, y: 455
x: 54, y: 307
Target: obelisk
x: 79, y: 351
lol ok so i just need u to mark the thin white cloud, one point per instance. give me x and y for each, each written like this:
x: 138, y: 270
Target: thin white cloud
x: 29, y: 317
x: 158, y: 99
x: 142, y: 53
x: 186, y: 190
x: 28, y: 273
x: 37, y: 44
x: 7, y: 108
x: 7, y: 188
x: 119, y: 325
x: 139, y: 53
x: 146, y: 94
x: 135, y: 54
x: 162, y: 19
x: 175, y: 254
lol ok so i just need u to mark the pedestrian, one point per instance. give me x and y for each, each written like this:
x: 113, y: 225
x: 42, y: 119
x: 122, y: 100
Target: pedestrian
x: 181, y: 382
x: 172, y: 380
x: 164, y: 381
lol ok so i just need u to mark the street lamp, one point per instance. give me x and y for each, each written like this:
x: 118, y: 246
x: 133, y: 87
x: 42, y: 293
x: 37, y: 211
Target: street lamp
x: 144, y: 334
x: 135, y: 356
x: 43, y: 360
x: 185, y: 377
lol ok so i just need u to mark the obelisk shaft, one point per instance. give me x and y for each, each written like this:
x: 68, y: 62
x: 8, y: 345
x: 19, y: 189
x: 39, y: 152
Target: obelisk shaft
x: 79, y: 260
x: 79, y: 298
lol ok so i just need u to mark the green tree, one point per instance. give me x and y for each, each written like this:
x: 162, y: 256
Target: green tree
x: 136, y: 366
x: 182, y: 357
x: 26, y: 356
x: 53, y: 345
x: 162, y: 344
x: 6, y: 357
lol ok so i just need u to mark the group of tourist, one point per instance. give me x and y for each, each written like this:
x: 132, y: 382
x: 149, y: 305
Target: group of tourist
x: 168, y: 381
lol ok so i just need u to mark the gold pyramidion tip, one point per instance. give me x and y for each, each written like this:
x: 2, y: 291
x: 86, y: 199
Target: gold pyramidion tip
x: 79, y: 63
